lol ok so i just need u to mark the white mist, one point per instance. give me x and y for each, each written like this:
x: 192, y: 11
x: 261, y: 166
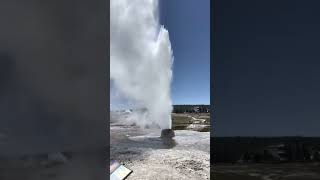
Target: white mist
x: 141, y: 59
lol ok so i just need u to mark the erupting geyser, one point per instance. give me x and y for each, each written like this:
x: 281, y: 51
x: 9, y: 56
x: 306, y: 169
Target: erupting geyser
x: 141, y: 59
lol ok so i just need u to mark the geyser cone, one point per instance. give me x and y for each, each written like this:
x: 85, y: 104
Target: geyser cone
x: 167, y: 133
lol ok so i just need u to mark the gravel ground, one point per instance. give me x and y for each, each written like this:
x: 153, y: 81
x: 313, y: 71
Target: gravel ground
x: 82, y: 166
x: 186, y: 156
x: 282, y: 171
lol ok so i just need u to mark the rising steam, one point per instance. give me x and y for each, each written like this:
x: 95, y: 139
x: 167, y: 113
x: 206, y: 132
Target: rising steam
x: 141, y: 59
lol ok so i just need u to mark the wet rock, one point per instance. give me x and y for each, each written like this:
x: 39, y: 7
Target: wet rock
x: 167, y: 133
x: 55, y: 159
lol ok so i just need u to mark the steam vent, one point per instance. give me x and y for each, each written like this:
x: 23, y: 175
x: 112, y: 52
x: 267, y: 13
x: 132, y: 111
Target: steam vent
x: 167, y: 133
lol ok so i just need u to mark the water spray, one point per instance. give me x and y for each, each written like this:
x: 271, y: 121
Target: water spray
x: 141, y: 60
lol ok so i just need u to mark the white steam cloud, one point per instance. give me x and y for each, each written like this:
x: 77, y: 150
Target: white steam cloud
x: 141, y: 59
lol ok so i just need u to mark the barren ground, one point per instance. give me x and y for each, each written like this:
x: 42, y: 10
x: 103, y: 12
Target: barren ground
x: 187, y: 156
x: 283, y: 171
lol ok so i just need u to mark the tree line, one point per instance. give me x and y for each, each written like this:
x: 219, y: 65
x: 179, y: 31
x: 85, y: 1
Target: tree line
x: 191, y: 108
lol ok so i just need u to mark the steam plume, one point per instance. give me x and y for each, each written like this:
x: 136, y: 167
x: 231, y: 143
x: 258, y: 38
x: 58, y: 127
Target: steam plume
x: 141, y: 58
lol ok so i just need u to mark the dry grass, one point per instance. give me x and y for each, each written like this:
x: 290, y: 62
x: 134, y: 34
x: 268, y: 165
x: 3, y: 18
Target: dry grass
x: 181, y: 121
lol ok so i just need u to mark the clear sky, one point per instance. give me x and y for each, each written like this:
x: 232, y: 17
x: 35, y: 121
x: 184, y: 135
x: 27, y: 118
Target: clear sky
x: 266, y: 68
x: 188, y: 23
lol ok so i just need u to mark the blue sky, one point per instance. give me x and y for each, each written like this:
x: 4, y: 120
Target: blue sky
x: 188, y: 23
x: 267, y: 68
